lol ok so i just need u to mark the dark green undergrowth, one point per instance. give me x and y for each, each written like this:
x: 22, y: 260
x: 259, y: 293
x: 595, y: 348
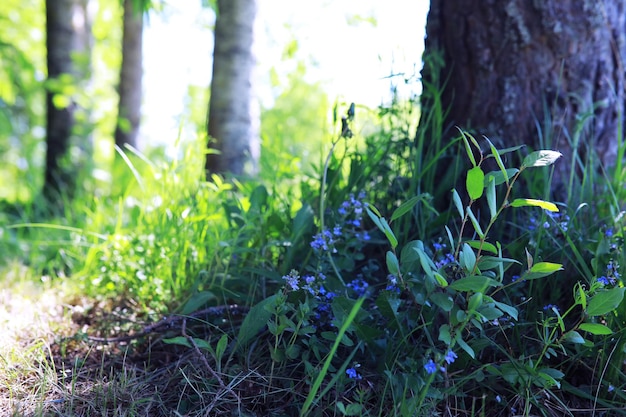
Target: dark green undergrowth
x: 407, y: 276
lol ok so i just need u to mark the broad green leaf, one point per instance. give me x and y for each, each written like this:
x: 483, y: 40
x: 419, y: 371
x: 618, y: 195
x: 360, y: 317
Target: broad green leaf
x: 391, y: 237
x: 546, y: 267
x: 442, y: 300
x: 440, y: 280
x: 505, y: 308
x: 530, y: 202
x: 474, y: 182
x: 595, y: 328
x: 456, y: 198
x: 490, y: 313
x: 404, y: 208
x: 499, y: 177
x: 444, y: 334
x: 467, y: 258
x: 540, y: 158
x: 491, y: 199
x: 541, y: 270
x: 475, y: 301
x: 475, y: 223
x: 255, y: 320
x: 486, y: 246
x: 605, y: 301
x: 427, y: 264
x: 476, y: 283
x: 574, y: 337
x: 392, y: 263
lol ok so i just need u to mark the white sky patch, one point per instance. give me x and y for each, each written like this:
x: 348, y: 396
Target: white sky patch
x: 350, y: 58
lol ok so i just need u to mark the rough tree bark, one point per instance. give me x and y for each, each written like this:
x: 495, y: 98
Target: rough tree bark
x: 68, y: 35
x: 517, y: 70
x: 130, y: 88
x: 233, y: 120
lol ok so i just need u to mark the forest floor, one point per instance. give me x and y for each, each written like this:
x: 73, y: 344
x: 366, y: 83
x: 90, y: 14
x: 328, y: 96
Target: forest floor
x: 54, y: 360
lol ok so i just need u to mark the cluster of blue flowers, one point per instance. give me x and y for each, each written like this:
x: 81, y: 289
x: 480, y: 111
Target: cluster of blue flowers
x: 392, y: 285
x: 559, y: 221
x: 431, y: 366
x: 612, y: 274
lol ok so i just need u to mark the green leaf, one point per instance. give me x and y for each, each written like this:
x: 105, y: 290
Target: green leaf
x: 444, y: 301
x: 474, y: 182
x: 476, y: 283
x: 496, y: 155
x: 475, y: 223
x: 178, y: 340
x: 491, y: 198
x: 444, y: 334
x: 467, y: 258
x: 468, y: 148
x: 595, y: 328
x: 440, y: 280
x: 196, y: 301
x: 392, y: 263
x: 456, y: 198
x: 255, y: 320
x: 486, y: 246
x: 540, y: 159
x: 574, y: 337
x: 475, y: 301
x: 605, y: 301
x: 464, y: 346
x: 404, y: 208
x: 221, y: 347
x: 505, y: 308
x: 530, y: 202
x: 499, y: 177
x: 541, y: 269
x: 509, y: 150
x: 427, y: 264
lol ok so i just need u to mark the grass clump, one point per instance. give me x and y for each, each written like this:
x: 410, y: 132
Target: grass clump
x: 402, y: 278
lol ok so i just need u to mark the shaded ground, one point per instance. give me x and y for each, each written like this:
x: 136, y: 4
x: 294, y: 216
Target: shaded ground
x: 80, y: 359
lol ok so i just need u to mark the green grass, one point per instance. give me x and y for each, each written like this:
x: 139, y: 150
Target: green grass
x: 242, y: 271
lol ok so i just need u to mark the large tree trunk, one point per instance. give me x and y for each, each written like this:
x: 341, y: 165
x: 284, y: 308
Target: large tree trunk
x: 68, y: 35
x: 233, y: 121
x: 129, y: 90
x: 517, y: 71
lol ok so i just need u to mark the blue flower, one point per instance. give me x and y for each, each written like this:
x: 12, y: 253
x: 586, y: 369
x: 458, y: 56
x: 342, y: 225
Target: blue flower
x: 359, y: 286
x: 450, y: 357
x: 293, y: 280
x: 431, y: 367
x: 603, y: 280
x: 609, y: 232
x: 353, y: 374
x: 550, y: 307
x: 514, y: 278
x: 498, y: 399
x: 611, y: 388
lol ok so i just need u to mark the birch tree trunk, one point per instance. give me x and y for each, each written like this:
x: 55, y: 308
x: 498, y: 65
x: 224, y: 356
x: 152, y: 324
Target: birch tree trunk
x: 523, y: 72
x: 233, y: 120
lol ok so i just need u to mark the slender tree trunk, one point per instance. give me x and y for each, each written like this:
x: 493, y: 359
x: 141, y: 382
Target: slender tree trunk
x: 233, y: 120
x: 68, y: 36
x: 60, y: 112
x: 130, y: 89
x: 531, y: 72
